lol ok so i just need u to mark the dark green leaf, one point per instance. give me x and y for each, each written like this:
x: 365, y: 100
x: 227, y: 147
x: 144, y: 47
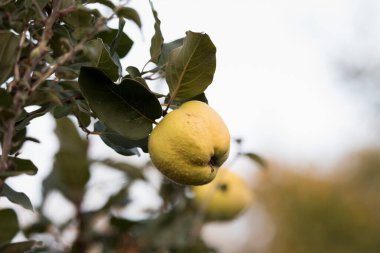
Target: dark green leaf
x: 61, y: 111
x: 125, y: 43
x: 119, y: 143
x: 122, y: 224
x: 30, y: 116
x: 258, y: 159
x: 18, y: 247
x: 157, y: 39
x: 107, y: 3
x: 5, y: 99
x: 177, y: 103
x: 167, y: 48
x: 8, y: 225
x: 19, y: 198
x: 17, y: 140
x: 128, y: 108
x: 8, y: 48
x: 191, y: 67
x: 129, y: 13
x: 133, y: 71
x: 84, y: 118
x: 116, y: 41
x: 132, y: 171
x: 20, y: 166
x: 101, y: 58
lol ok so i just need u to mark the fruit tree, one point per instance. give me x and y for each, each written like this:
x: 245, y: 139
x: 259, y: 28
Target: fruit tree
x: 62, y: 57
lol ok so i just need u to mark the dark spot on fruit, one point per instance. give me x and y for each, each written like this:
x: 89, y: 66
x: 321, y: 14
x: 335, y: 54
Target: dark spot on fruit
x: 223, y: 187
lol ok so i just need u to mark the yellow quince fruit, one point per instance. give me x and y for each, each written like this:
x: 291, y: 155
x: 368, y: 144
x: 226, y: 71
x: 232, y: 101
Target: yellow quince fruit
x: 225, y: 197
x: 190, y: 144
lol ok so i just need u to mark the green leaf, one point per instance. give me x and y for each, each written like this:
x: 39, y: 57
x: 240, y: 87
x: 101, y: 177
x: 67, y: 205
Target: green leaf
x: 166, y: 50
x: 107, y: 3
x: 18, y: 198
x: 71, y: 167
x: 128, y: 108
x: 257, y: 159
x: 119, y: 143
x: 18, y: 247
x: 8, y: 225
x: 132, y: 172
x: 130, y: 14
x: 177, y: 103
x: 119, y: 199
x: 191, y: 67
x: 81, y: 21
x: 101, y: 58
x: 122, y: 224
x: 5, y: 99
x: 20, y: 166
x: 30, y: 116
x: 61, y: 111
x: 43, y: 96
x: 124, y: 44
x: 157, y: 39
x: 8, y: 47
x: 115, y: 42
x: 64, y: 72
x: 133, y: 71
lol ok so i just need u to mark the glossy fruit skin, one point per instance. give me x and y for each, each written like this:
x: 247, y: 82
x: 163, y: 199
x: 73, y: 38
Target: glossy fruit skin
x: 190, y: 144
x: 225, y: 197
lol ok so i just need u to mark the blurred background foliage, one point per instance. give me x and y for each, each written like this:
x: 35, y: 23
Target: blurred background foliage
x: 339, y: 213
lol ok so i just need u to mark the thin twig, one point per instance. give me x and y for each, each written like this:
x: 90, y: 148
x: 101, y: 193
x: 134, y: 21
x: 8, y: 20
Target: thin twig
x: 39, y: 10
x: 17, y: 65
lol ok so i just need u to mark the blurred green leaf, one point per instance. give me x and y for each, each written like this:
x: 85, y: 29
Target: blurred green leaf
x: 107, y: 3
x: 61, y: 111
x: 132, y: 171
x: 18, y: 247
x: 128, y: 108
x: 43, y: 96
x: 18, y: 198
x: 119, y: 199
x: 119, y: 143
x: 8, y: 48
x: 130, y: 14
x: 81, y: 21
x: 8, y: 225
x: 71, y: 166
x: 20, y: 166
x: 191, y: 67
x: 122, y: 224
x: 66, y: 73
x: 157, y: 39
x: 257, y: 159
x: 101, y: 58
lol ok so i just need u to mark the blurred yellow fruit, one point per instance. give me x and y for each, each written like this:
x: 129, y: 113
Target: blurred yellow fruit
x: 190, y: 144
x: 225, y: 197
